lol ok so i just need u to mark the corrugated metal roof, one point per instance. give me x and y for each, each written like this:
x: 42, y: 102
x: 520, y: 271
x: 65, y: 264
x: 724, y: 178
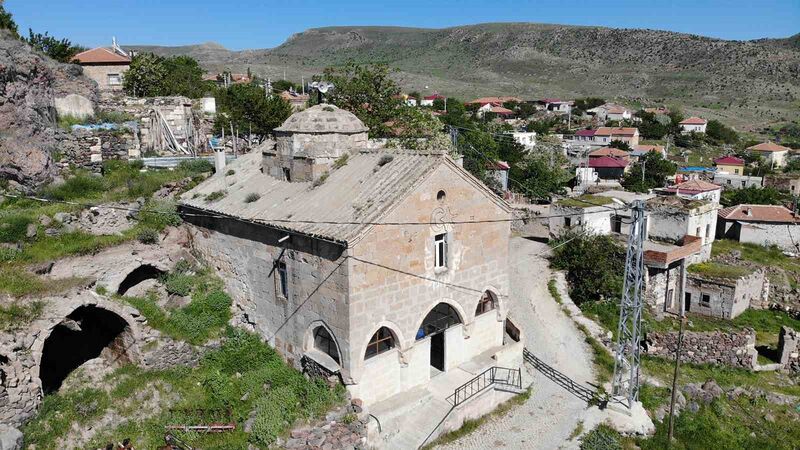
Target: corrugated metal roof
x: 363, y: 190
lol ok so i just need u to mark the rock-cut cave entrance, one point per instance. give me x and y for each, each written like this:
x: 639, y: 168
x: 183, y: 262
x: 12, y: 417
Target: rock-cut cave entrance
x: 83, y: 335
x: 137, y: 275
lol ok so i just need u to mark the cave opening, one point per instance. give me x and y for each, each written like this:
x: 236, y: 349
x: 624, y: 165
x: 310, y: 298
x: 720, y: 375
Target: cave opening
x: 82, y: 336
x: 137, y: 275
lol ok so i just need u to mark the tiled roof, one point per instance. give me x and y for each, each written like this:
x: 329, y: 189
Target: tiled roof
x: 587, y: 133
x: 495, y: 100
x: 759, y: 213
x: 693, y: 121
x: 693, y: 187
x: 498, y: 165
x: 501, y: 110
x: 769, y: 147
x: 729, y: 161
x: 363, y: 190
x: 100, y: 55
x: 434, y: 97
x: 607, y: 162
x: 609, y: 151
x: 553, y: 100
x: 649, y: 148
x: 616, y: 131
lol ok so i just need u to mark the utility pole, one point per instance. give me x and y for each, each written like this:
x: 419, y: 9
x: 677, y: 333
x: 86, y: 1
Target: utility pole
x: 682, y: 308
x: 625, y: 383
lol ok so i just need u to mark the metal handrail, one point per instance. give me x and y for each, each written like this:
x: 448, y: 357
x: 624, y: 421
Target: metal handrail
x: 486, y: 379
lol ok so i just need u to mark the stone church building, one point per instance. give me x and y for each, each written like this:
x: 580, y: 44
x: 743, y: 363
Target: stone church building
x: 387, y: 267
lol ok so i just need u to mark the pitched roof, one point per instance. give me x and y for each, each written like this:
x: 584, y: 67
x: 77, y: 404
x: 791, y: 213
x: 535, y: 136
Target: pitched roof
x: 616, y: 131
x: 729, y: 161
x: 498, y: 165
x: 363, y: 190
x: 100, y: 55
x: 769, y: 146
x: 607, y: 162
x: 553, y: 100
x: 501, y: 110
x: 693, y: 187
x: 693, y: 121
x: 434, y: 97
x: 587, y: 133
x: 649, y: 148
x: 494, y: 100
x: 759, y: 213
x: 609, y: 151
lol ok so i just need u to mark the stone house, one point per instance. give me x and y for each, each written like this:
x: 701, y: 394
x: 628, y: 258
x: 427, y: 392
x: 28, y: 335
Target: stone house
x: 760, y: 224
x: 786, y: 182
x: 775, y: 155
x: 387, y: 267
x: 106, y: 66
x: 732, y: 181
x: 722, y: 291
x: 695, y: 190
x: 693, y: 125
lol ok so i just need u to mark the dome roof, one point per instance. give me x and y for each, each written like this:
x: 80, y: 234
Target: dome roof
x: 323, y: 118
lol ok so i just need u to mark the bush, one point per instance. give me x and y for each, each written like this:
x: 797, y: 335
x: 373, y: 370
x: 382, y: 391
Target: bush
x: 214, y: 196
x: 601, y: 438
x: 252, y: 197
x: 594, y: 265
x: 159, y: 214
x: 81, y: 186
x: 179, y: 283
x: 147, y: 236
x: 198, y: 165
x: 273, y: 413
x: 230, y: 172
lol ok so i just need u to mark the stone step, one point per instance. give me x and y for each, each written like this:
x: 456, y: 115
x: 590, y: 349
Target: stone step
x: 414, y: 427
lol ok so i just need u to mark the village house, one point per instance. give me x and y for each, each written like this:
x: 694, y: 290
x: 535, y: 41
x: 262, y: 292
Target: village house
x: 722, y: 291
x: 226, y: 78
x: 429, y: 99
x: 732, y: 181
x: 611, y: 111
x: 296, y: 99
x: 695, y: 189
x: 609, y: 151
x: 643, y: 149
x: 106, y: 66
x: 761, y: 224
x: 608, y: 167
x: 296, y: 234
x: 526, y: 139
x: 729, y: 164
x: 693, y: 125
x: 494, y: 101
x: 784, y: 182
x: 775, y: 155
x: 555, y: 105
x: 604, y: 135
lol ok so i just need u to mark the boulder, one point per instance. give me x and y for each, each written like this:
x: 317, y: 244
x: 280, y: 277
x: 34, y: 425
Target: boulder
x: 10, y: 438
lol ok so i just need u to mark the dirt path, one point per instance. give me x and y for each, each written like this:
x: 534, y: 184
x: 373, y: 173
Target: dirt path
x: 547, y: 419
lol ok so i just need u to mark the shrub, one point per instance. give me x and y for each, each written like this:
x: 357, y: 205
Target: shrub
x: 601, y: 438
x: 594, y: 265
x: 147, y: 236
x: 252, y: 197
x: 81, y: 186
x: 159, y: 214
x: 321, y: 180
x: 341, y: 161
x: 214, y: 196
x: 13, y: 228
x: 178, y: 283
x: 384, y: 160
x: 273, y: 412
x: 198, y: 165
x: 230, y: 172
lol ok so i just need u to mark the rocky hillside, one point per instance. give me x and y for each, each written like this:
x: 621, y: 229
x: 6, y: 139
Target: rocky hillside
x: 704, y: 74
x: 30, y: 83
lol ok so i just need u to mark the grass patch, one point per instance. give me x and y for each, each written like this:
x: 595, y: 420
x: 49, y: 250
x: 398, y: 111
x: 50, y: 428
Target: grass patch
x: 602, y: 438
x: 471, y: 425
x: 652, y: 396
x: 553, y: 289
x: 584, y: 201
x: 17, y: 315
x: 765, y: 256
x: 252, y: 197
x: 717, y: 270
x: 214, y: 196
x: 18, y: 282
x: 243, y: 375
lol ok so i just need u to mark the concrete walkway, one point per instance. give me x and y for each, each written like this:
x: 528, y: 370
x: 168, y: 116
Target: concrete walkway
x: 548, y: 418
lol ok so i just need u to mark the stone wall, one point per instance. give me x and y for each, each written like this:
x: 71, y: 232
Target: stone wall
x: 727, y: 297
x: 733, y: 349
x: 95, y: 146
x: 789, y: 349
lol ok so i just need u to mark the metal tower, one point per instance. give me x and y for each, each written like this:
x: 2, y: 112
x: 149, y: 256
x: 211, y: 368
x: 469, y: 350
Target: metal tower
x: 626, y: 360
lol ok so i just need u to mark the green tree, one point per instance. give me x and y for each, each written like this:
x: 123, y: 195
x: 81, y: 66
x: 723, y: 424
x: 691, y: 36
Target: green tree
x: 7, y: 21
x: 285, y: 85
x: 418, y: 129
x: 439, y: 104
x: 184, y: 77
x: 61, y: 50
x: 246, y: 107
x: 622, y: 145
x: 649, y: 172
x: 721, y: 133
x: 652, y: 126
x: 793, y: 165
x: 585, y: 104
x: 541, y: 174
x: 367, y: 91
x: 752, y: 195
x: 542, y: 126
x: 146, y: 76
x: 594, y: 265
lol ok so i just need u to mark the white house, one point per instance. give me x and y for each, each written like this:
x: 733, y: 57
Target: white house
x: 693, y: 125
x: 762, y: 225
x: 525, y: 138
x: 610, y: 111
x: 775, y: 155
x: 429, y: 99
x: 695, y: 190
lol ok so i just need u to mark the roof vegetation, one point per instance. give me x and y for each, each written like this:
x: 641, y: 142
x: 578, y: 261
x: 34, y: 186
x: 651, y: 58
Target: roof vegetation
x: 719, y: 270
x: 584, y: 201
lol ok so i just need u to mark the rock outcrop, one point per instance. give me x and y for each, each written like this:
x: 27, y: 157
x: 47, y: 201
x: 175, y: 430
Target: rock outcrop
x: 30, y: 83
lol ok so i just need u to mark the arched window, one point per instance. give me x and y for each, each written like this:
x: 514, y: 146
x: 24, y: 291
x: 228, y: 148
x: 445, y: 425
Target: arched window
x: 441, y: 317
x: 382, y: 341
x: 486, y: 303
x: 323, y: 341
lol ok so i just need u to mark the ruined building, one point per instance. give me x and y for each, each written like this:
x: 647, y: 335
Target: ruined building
x: 346, y: 260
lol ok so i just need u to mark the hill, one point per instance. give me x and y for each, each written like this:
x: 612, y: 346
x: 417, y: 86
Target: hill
x: 742, y: 82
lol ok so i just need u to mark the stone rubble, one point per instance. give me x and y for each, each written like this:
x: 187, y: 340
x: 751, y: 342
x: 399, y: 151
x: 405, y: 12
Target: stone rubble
x: 733, y: 349
x: 342, y: 429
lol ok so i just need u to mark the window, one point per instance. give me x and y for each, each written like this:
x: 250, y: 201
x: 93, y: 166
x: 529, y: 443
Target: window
x: 743, y: 184
x: 324, y: 342
x: 486, y: 303
x: 697, y: 232
x: 705, y: 300
x: 616, y: 224
x: 567, y: 221
x: 736, y: 171
x: 441, y: 196
x: 708, y: 231
x: 283, y: 280
x: 440, y: 246
x: 114, y: 79
x: 729, y: 182
x: 287, y: 174
x: 382, y: 341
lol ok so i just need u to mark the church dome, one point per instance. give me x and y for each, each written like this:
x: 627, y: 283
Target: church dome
x: 323, y: 118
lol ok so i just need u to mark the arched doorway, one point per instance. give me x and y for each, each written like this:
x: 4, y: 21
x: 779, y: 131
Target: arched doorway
x: 439, y: 319
x: 81, y: 336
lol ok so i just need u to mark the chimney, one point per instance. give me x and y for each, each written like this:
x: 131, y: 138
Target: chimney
x: 749, y: 212
x: 219, y: 160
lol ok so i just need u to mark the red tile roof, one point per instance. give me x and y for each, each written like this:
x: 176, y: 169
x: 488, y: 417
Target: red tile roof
x: 498, y: 165
x: 729, y: 161
x: 759, y: 213
x: 694, y: 187
x: 101, y: 55
x: 434, y: 97
x: 609, y: 151
x: 587, y: 133
x: 500, y: 110
x: 616, y: 131
x: 494, y: 100
x: 768, y: 147
x: 693, y: 121
x: 649, y: 148
x: 607, y: 162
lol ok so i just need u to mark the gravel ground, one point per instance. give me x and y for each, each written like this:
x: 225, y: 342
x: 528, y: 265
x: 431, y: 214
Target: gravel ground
x: 551, y: 414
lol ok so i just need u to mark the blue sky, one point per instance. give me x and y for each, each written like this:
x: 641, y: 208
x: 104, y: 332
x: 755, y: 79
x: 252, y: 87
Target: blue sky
x: 244, y: 24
